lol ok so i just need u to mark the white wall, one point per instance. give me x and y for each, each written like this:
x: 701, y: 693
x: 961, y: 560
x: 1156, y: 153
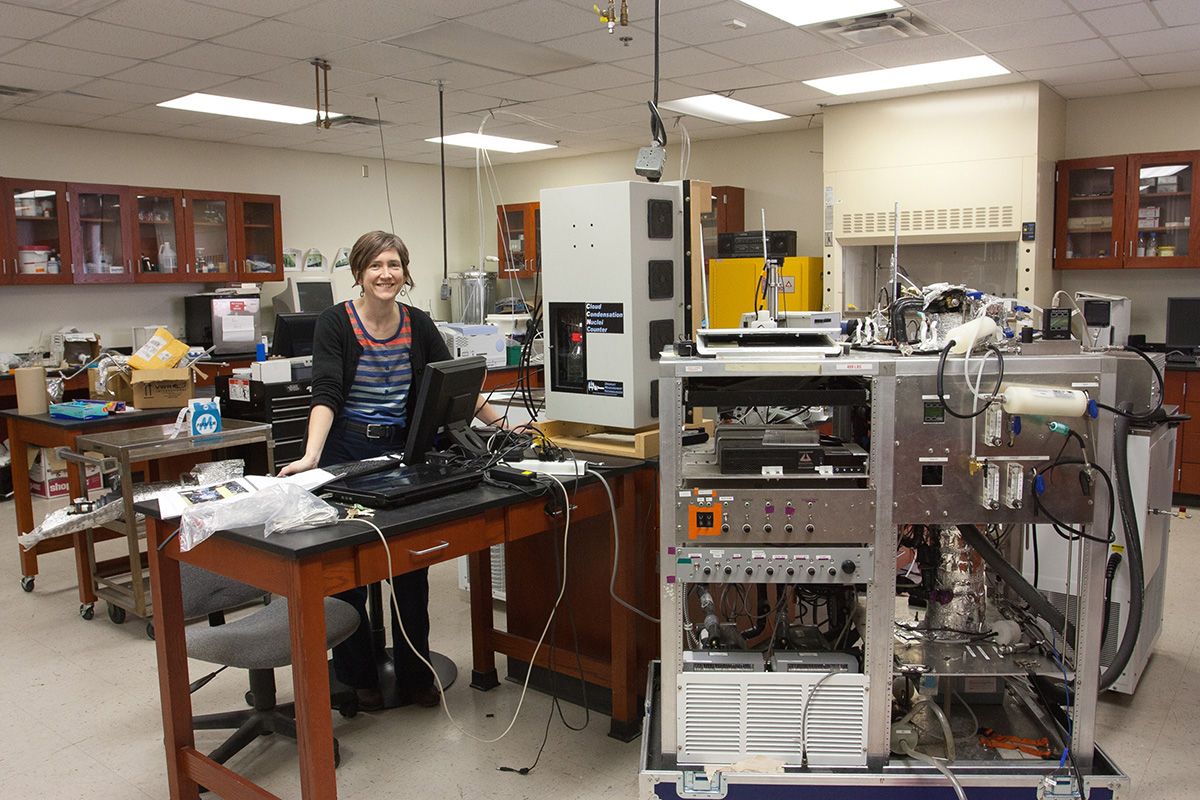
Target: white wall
x: 326, y: 203
x: 1147, y: 122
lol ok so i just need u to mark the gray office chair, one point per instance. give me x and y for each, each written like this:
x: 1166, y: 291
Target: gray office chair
x: 258, y: 643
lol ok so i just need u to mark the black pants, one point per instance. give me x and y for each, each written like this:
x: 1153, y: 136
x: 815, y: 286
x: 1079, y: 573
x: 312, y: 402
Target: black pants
x: 354, y: 659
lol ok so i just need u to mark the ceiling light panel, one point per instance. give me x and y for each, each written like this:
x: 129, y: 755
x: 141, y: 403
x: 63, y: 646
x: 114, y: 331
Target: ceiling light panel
x: 486, y: 142
x: 719, y: 108
x: 244, y: 109
x: 958, y: 69
x: 809, y: 13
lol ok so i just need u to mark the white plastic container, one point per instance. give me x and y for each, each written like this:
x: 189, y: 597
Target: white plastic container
x: 1044, y: 401
x: 33, y: 258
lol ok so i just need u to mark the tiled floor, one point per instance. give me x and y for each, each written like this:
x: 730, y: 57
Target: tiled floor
x: 81, y: 718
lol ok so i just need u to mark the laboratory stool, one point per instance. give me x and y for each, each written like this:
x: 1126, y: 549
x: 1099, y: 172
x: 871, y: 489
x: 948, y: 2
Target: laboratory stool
x: 259, y: 643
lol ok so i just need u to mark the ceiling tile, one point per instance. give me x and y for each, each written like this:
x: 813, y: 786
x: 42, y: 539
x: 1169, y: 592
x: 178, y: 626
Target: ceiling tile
x: 1166, y: 62
x: 30, y: 23
x: 1089, y: 5
x: 537, y: 20
x: 204, y: 134
x: 1057, y: 55
x: 678, y: 63
x: 728, y: 79
x: 775, y: 46
x: 707, y: 25
x: 128, y: 125
x: 1084, y: 73
x: 64, y: 59
x: 527, y: 89
x: 382, y: 59
x: 1030, y: 33
x: 598, y: 46
x: 101, y: 37
x: 49, y: 116
x: 639, y: 11
x: 281, y: 39
x: 1103, y: 88
x: 391, y: 89
x: 169, y: 77
x: 176, y: 17
x: 368, y: 20
x: 964, y: 15
x: 643, y: 92
x: 97, y: 106
x: 457, y: 75
x: 1174, y: 80
x: 7, y: 45
x: 582, y: 102
x: 916, y: 51
x: 1177, y: 12
x: 1172, y: 40
x: 225, y: 60
x: 127, y: 92
x: 596, y: 76
x: 818, y: 66
x: 267, y: 92
x: 780, y: 94
x: 259, y: 8
x: 1123, y: 19
x: 41, y: 79
x: 302, y: 73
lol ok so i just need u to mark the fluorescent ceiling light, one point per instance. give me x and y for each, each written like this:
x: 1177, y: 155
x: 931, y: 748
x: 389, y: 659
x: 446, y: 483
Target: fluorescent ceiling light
x: 956, y: 69
x: 487, y: 142
x: 808, y: 12
x: 1161, y: 172
x: 720, y: 108
x: 247, y: 109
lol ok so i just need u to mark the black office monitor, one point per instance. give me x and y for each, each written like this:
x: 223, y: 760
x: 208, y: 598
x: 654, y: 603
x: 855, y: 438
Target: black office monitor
x: 314, y: 295
x: 1183, y: 323
x: 294, y: 335
x: 446, y: 401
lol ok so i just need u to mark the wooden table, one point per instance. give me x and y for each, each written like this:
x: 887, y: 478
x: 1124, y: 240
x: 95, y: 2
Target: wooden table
x: 42, y: 430
x: 307, y: 566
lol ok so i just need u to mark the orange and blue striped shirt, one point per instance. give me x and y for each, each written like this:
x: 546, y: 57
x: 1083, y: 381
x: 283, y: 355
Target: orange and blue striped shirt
x: 384, y: 375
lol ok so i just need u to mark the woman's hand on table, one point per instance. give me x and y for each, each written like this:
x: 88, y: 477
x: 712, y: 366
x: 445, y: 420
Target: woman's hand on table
x: 301, y: 465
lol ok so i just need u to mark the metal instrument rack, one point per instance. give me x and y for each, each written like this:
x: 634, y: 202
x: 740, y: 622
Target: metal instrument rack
x: 839, y: 525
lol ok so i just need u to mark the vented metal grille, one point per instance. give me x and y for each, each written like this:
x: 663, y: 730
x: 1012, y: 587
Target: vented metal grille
x: 929, y: 220
x: 727, y: 717
x: 1109, y: 651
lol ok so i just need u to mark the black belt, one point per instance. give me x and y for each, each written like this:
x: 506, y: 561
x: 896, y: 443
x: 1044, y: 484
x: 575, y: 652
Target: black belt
x: 375, y: 430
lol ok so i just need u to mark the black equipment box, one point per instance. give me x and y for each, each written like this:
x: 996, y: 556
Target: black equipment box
x: 747, y: 244
x: 284, y: 405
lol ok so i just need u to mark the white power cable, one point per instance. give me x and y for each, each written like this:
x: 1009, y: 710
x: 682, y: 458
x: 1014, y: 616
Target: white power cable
x: 936, y: 764
x: 533, y: 656
x: 612, y: 506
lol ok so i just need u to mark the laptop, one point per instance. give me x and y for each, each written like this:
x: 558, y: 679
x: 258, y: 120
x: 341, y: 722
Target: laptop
x: 404, y: 484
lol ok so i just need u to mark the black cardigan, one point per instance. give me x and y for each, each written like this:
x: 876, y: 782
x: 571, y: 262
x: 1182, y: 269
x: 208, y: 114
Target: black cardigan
x: 336, y: 352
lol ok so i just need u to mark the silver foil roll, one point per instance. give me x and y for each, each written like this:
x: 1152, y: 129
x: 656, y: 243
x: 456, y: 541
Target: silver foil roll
x: 213, y: 472
x: 958, y: 603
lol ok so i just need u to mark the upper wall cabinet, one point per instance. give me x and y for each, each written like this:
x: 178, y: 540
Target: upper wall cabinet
x: 101, y: 231
x: 259, y: 238
x: 1127, y: 212
x: 159, y: 243
x: 519, y: 228
x: 35, y: 239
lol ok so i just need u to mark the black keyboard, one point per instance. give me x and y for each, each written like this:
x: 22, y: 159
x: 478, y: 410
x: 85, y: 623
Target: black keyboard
x: 349, y: 469
x: 1179, y: 357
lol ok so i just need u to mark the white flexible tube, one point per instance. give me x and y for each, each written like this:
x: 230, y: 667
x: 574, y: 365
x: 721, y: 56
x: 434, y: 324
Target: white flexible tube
x: 933, y: 762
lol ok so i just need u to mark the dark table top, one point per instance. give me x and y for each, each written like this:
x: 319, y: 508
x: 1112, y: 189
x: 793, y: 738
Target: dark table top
x: 132, y: 418
x: 296, y: 545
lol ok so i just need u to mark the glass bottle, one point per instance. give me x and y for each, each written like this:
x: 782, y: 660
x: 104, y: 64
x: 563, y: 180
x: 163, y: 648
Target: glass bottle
x: 1141, y: 247
x: 1152, y: 245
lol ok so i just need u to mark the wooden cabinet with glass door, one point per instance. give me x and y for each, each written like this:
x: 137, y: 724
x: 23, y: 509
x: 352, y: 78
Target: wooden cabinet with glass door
x: 101, y: 230
x: 159, y: 244
x: 35, y: 238
x: 1158, y: 226
x: 519, y: 239
x: 259, y: 234
x: 1090, y: 213
x: 211, y: 248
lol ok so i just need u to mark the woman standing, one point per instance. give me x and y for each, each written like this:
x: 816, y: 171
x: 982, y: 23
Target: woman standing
x: 368, y: 356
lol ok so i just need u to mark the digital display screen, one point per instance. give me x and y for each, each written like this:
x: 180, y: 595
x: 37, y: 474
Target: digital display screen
x: 934, y: 413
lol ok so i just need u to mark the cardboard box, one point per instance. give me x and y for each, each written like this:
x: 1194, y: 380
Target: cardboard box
x: 74, y: 347
x: 161, y: 388
x: 48, y: 474
x: 161, y: 351
x: 116, y: 387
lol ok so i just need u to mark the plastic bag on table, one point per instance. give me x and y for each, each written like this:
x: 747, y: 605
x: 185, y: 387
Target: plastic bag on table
x: 278, y: 508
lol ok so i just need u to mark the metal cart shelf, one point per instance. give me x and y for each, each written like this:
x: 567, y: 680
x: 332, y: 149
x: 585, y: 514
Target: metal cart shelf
x: 128, y: 589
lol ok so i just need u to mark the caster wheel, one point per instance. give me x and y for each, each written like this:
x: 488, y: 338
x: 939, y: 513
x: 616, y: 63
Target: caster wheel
x: 150, y: 631
x: 349, y: 709
x: 27, y: 583
x: 250, y: 699
x: 116, y: 614
x: 87, y: 610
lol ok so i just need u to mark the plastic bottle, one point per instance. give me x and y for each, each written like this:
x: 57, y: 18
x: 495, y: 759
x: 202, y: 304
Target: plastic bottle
x: 260, y: 352
x: 1070, y: 249
x: 1141, y: 248
x: 1045, y: 401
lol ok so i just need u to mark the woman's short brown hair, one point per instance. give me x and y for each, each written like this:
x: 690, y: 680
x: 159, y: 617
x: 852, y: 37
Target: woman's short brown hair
x: 370, y: 245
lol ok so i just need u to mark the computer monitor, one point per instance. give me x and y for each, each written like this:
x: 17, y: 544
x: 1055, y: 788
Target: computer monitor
x: 1183, y: 323
x: 305, y: 293
x: 446, y: 401
x: 294, y: 335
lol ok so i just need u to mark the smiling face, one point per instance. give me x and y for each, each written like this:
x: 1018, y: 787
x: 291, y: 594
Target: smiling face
x: 384, y: 276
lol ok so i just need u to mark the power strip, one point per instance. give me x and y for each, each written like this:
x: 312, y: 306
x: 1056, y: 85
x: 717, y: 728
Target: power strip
x: 569, y: 469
